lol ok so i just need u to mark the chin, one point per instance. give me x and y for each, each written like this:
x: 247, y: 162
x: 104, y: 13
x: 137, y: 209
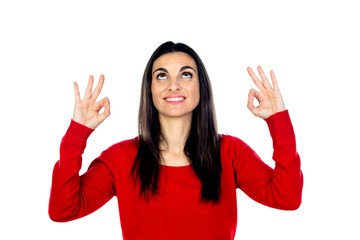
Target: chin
x: 176, y: 115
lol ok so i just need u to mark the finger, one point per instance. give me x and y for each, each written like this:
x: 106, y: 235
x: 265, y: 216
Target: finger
x: 89, y: 87
x: 252, y: 95
x: 98, y: 88
x: 273, y: 79
x: 264, y: 79
x: 103, y: 102
x: 256, y: 94
x: 77, y: 93
x: 105, y: 114
x: 255, y: 79
x: 106, y: 104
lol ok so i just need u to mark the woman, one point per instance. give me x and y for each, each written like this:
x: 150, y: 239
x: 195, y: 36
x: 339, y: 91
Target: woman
x: 178, y: 178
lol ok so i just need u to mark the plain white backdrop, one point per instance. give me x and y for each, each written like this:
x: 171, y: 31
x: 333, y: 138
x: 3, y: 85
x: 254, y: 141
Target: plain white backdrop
x: 313, y: 47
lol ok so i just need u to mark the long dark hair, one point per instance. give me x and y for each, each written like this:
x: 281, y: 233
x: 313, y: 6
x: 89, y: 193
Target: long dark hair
x: 202, y: 146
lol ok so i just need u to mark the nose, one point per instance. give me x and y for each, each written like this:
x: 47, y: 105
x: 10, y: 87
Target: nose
x: 174, y: 85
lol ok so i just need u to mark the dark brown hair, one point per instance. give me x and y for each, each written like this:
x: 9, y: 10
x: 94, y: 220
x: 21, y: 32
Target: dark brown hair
x: 203, y: 142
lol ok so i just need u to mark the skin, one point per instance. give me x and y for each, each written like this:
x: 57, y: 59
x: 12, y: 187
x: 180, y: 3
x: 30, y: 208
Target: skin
x: 86, y: 111
x: 168, y: 80
x: 175, y: 119
x: 269, y: 97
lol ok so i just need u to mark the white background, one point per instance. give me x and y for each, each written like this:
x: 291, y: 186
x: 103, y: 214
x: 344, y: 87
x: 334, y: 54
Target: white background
x: 313, y: 47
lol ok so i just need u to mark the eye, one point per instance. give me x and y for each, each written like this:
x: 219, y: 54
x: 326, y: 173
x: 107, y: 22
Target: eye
x: 187, y: 75
x: 161, y: 76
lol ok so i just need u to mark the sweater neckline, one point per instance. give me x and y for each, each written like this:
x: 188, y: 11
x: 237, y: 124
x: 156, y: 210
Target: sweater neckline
x: 175, y: 167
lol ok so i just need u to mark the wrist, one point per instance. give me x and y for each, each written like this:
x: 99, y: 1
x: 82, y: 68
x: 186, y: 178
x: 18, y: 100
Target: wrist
x: 280, y: 127
x: 276, y: 112
x: 77, y: 134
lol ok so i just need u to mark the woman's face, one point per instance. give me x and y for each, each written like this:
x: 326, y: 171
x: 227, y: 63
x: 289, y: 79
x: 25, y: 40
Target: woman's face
x: 175, y: 85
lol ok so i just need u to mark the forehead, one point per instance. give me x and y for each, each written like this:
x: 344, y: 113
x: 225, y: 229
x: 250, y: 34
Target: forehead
x: 174, y: 60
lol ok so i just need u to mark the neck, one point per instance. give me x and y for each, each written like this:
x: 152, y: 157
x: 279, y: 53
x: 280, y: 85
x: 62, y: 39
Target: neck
x: 175, y: 131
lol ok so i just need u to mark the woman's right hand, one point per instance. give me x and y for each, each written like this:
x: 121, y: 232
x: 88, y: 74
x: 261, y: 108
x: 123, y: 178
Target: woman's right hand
x: 86, y: 111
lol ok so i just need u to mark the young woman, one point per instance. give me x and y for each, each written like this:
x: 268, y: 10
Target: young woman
x: 178, y: 178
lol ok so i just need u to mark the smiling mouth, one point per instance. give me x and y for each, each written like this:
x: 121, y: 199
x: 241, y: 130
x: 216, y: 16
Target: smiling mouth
x: 174, y: 99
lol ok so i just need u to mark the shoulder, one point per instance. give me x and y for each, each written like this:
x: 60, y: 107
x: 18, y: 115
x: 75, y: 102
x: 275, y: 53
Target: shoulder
x: 229, y: 140
x: 231, y: 145
x: 235, y: 149
x: 123, y: 149
x: 125, y: 145
x: 117, y: 159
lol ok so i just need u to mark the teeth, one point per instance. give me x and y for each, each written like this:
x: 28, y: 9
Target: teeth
x: 174, y: 99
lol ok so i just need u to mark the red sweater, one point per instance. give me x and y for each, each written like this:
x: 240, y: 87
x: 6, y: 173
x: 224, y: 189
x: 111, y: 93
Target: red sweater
x: 177, y: 213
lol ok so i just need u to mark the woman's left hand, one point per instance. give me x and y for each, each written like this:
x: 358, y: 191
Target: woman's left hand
x: 270, y: 99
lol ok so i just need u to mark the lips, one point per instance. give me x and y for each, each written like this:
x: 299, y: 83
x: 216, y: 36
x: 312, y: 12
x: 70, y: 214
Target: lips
x: 175, y: 98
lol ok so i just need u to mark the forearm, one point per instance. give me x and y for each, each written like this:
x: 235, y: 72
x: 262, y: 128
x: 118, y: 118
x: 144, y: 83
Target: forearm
x: 287, y: 180
x: 65, y: 190
x: 280, y: 187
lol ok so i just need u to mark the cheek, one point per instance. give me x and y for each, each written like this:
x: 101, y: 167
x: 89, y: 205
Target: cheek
x: 155, y: 93
x: 197, y: 92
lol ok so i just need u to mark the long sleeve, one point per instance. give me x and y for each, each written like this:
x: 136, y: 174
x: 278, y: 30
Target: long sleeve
x: 73, y: 196
x: 280, y: 187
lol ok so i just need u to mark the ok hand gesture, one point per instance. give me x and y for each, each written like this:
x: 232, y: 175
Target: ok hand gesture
x: 270, y: 99
x: 86, y: 111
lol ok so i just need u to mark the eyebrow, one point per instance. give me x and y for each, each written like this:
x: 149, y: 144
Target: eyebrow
x: 181, y: 69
